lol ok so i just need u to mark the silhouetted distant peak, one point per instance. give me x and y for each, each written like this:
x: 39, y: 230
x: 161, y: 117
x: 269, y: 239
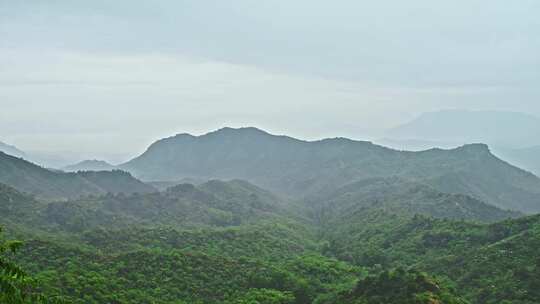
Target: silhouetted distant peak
x: 476, y: 147
x: 343, y: 140
x: 181, y: 135
x: 242, y: 131
x: 90, y: 165
x: 497, y: 128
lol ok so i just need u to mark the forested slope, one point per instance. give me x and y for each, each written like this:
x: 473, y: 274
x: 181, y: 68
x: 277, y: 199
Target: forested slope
x: 55, y: 185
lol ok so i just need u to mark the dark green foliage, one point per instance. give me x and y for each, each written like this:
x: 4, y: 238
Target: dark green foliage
x: 166, y: 276
x: 264, y: 296
x: 398, y: 287
x: 272, y: 241
x: 16, y: 287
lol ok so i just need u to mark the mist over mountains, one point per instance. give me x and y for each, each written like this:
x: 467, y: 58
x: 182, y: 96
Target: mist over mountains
x: 57, y: 185
x: 90, y: 165
x: 239, y: 214
x: 300, y: 168
x: 513, y: 136
x: 269, y: 152
x: 498, y: 129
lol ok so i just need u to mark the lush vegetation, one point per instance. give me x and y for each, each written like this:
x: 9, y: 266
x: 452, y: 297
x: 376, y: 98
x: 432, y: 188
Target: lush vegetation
x: 16, y: 286
x: 397, y: 286
x: 376, y: 240
x: 56, y: 185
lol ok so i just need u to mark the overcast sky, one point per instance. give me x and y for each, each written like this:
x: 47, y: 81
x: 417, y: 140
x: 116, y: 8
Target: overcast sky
x: 108, y: 78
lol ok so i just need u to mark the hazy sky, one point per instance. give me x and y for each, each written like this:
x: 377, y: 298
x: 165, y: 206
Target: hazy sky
x: 109, y: 77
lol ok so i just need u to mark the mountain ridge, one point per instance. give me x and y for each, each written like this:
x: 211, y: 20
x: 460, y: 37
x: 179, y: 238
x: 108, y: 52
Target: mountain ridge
x: 497, y: 128
x: 297, y: 168
x: 51, y: 185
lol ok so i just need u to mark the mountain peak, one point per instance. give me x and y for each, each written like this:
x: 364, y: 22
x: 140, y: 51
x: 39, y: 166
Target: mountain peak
x: 90, y: 165
x: 241, y: 130
x: 497, y: 128
x: 475, y: 147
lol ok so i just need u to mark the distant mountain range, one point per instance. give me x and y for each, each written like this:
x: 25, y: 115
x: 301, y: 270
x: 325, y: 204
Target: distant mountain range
x: 499, y: 129
x: 48, y: 184
x: 302, y: 169
x: 90, y: 165
x: 515, y: 137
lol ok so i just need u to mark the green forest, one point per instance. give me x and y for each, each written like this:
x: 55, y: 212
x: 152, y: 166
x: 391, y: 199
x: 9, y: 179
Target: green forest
x: 438, y: 228
x: 231, y: 242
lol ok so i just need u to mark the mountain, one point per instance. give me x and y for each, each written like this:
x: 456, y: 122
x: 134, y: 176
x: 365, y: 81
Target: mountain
x: 513, y: 136
x: 504, y: 129
x: 90, y: 165
x: 299, y: 168
x: 351, y: 222
x: 11, y: 150
x: 47, y: 184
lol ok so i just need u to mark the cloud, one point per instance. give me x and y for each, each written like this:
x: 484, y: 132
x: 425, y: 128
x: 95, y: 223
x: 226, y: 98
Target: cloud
x: 76, y: 74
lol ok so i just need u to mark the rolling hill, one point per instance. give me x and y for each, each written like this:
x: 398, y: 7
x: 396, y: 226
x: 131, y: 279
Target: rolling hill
x: 47, y: 184
x: 403, y: 197
x: 212, y: 204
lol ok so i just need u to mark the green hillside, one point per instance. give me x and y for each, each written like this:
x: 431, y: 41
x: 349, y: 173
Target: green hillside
x: 54, y: 185
x: 404, y: 197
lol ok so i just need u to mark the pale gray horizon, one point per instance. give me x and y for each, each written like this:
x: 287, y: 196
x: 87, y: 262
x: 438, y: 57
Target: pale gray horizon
x: 104, y: 80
